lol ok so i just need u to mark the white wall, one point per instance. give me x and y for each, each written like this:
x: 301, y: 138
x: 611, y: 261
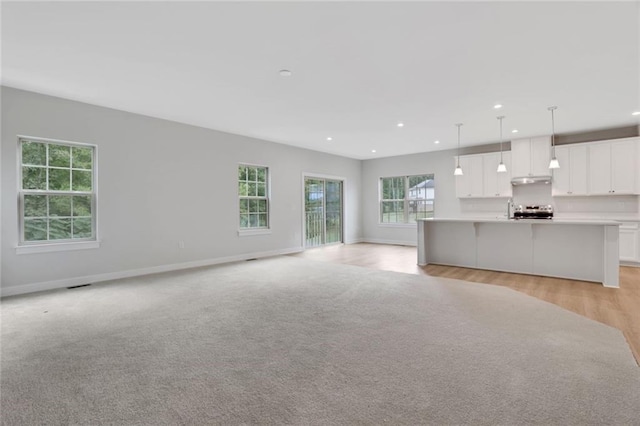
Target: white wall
x: 159, y: 182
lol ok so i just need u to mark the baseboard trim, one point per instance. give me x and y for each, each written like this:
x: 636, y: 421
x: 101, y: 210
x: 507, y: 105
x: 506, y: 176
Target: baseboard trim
x: 391, y: 242
x: 68, y: 282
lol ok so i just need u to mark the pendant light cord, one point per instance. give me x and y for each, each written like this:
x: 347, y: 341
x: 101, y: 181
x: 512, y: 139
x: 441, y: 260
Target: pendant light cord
x: 553, y: 130
x: 500, y: 118
x: 458, y: 125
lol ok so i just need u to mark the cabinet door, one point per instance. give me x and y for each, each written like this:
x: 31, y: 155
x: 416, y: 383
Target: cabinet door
x: 463, y: 183
x: 504, y: 179
x: 578, y: 169
x: 521, y: 158
x: 630, y: 242
x: 623, y: 167
x: 600, y: 168
x: 490, y: 165
x: 562, y: 176
x: 470, y: 183
x: 540, y: 156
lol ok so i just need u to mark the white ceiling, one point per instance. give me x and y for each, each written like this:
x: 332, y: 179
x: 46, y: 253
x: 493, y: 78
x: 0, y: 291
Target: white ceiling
x: 358, y: 68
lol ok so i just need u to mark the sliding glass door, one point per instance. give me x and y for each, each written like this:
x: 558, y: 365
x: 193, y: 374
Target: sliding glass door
x: 323, y: 211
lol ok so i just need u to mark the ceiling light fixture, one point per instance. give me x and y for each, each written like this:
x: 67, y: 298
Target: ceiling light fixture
x: 458, y: 170
x: 373, y: 150
x: 635, y: 113
x: 329, y: 138
x: 285, y: 73
x: 436, y: 141
x: 514, y: 131
x: 501, y: 167
x: 497, y: 106
x: 553, y: 164
x: 400, y: 124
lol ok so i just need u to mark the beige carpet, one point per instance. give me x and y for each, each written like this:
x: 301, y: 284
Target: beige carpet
x: 293, y: 341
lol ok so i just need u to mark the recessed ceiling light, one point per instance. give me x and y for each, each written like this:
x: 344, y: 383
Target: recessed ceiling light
x: 635, y: 113
x: 285, y: 73
x: 497, y: 106
x: 436, y: 141
x: 514, y: 131
x: 329, y: 138
x: 373, y: 150
x: 400, y: 124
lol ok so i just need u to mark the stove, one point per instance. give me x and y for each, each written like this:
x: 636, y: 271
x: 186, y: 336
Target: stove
x: 533, y: 212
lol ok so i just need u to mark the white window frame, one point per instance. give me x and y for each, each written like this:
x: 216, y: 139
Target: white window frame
x: 43, y: 246
x: 244, y: 232
x: 406, y: 200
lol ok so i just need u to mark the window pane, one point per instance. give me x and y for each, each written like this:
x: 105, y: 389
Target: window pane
x: 242, y: 189
x: 244, y: 220
x: 262, y: 175
x: 34, y: 178
x: 59, y: 155
x: 35, y: 205
x: 81, y: 180
x: 242, y: 173
x: 59, y: 229
x: 59, y: 179
x: 386, y: 189
x: 262, y: 220
x: 82, y: 157
x: 34, y: 153
x: 59, y: 205
x: 262, y: 206
x: 262, y: 189
x: 251, y: 174
x: 82, y: 227
x: 244, y: 206
x: 252, y: 189
x: 35, y: 229
x: 253, y: 206
x: 82, y: 205
x: 420, y: 187
x: 253, y: 220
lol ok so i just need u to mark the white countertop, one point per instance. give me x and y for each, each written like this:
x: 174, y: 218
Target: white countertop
x: 527, y: 221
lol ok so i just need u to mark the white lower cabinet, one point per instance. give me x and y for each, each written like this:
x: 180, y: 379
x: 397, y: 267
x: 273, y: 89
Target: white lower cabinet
x: 630, y: 242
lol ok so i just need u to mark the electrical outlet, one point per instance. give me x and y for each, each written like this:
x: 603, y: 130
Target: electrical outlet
x: 181, y: 244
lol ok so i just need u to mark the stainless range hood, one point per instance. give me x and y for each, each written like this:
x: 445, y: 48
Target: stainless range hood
x: 526, y: 180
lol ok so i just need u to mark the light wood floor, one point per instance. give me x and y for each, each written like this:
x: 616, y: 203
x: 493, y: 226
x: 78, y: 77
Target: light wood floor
x: 619, y: 308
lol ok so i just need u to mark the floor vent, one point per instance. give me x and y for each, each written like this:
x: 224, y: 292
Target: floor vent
x: 78, y: 286
x: 249, y: 260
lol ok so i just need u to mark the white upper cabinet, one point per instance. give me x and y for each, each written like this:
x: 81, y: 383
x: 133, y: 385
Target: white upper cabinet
x: 572, y: 176
x: 481, y: 179
x: 530, y: 157
x: 496, y: 184
x: 470, y: 185
x: 613, y: 167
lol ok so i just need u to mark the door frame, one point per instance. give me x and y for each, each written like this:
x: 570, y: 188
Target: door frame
x: 310, y: 175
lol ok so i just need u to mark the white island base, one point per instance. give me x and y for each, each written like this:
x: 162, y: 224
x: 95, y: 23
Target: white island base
x: 580, y: 250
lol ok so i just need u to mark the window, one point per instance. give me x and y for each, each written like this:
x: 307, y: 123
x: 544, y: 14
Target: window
x: 57, y: 196
x: 253, y: 191
x: 406, y: 198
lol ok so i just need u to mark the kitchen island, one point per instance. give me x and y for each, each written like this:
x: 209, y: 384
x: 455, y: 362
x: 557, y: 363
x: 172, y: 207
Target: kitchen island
x: 575, y: 249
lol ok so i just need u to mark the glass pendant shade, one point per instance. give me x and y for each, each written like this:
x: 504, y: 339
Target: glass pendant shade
x: 554, y: 164
x: 458, y: 171
x: 502, y: 168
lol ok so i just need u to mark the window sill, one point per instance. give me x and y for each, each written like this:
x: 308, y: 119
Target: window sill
x: 47, y: 248
x: 397, y: 225
x: 251, y: 232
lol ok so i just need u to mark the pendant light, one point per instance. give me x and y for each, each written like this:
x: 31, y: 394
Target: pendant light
x: 501, y: 167
x: 553, y: 164
x: 458, y: 170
